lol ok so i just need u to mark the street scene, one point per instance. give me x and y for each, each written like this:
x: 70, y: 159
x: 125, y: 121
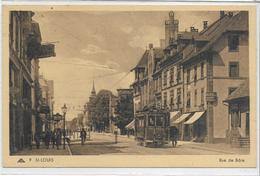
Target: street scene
x: 129, y: 83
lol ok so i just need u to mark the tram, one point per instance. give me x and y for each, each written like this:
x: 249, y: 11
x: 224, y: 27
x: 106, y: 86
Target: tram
x: 152, y: 127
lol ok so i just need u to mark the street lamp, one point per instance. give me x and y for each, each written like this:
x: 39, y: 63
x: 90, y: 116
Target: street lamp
x: 64, y: 110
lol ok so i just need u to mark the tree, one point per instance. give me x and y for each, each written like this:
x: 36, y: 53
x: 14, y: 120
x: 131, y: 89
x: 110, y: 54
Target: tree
x: 124, y: 111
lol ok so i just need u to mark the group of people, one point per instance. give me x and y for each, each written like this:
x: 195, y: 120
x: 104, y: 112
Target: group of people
x: 50, y: 138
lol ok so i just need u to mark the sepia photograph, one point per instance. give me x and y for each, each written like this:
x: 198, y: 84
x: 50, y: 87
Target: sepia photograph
x: 100, y: 83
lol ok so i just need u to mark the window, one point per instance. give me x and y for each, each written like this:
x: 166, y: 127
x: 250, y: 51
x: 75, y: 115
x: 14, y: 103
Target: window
x: 195, y: 73
x: 160, y: 83
x: 172, y: 97
x: 188, y: 100
x: 195, y: 97
x: 202, y: 70
x: 231, y: 89
x: 151, y: 121
x: 179, y: 96
x: 233, y: 69
x: 178, y: 75
x: 159, y: 121
x: 233, y: 42
x: 165, y: 78
x: 172, y: 75
x: 202, y: 97
x: 165, y: 99
x: 188, y: 76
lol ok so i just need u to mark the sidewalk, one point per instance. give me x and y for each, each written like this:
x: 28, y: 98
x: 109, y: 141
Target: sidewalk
x: 44, y: 151
x: 219, y: 147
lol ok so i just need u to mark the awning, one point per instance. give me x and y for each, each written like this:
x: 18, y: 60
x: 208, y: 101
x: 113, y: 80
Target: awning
x: 181, y: 118
x: 194, y: 118
x: 173, y: 116
x: 131, y: 125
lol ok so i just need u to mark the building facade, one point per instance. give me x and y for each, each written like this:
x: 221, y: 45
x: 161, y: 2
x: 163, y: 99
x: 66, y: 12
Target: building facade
x: 25, y: 49
x: 198, y: 71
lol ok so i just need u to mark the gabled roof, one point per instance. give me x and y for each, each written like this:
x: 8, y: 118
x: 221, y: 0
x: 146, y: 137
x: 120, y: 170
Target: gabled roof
x: 143, y: 61
x: 239, y: 22
x: 241, y: 92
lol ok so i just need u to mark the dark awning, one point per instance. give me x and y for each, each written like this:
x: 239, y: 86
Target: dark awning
x: 241, y: 92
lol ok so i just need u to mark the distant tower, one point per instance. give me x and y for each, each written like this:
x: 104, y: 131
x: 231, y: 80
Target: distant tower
x: 171, y: 29
x: 93, y: 93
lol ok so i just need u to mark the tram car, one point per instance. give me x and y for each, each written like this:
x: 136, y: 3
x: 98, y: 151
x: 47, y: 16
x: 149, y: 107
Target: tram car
x: 152, y: 127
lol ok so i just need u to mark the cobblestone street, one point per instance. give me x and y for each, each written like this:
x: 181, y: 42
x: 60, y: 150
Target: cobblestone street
x: 104, y: 143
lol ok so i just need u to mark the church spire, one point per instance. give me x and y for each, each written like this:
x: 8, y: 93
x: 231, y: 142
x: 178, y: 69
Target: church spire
x: 93, y: 92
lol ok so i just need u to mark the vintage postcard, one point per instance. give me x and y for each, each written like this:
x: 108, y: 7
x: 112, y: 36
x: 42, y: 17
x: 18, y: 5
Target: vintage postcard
x: 129, y: 86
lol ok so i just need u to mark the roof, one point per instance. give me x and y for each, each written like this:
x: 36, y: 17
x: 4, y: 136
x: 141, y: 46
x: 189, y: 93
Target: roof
x: 241, y: 92
x: 143, y: 61
x: 158, y: 53
x: 238, y: 22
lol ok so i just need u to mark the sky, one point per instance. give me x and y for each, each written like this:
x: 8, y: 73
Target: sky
x: 102, y: 47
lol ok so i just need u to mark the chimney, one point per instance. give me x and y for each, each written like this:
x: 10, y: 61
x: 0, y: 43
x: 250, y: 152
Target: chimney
x: 150, y: 46
x: 205, y: 24
x: 222, y: 14
x: 192, y: 29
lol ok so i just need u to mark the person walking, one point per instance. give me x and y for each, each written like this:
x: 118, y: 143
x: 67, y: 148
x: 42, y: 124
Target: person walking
x: 47, y: 139
x: 83, y: 136
x: 174, y: 135
x: 53, y: 138
x: 58, y: 139
x: 37, y: 139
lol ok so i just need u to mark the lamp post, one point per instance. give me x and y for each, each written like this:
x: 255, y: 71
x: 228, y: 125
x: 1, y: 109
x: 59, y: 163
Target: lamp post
x: 64, y: 110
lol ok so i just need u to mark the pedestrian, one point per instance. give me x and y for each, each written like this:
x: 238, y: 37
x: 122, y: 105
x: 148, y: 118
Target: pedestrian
x: 83, y: 136
x: 116, y: 133
x: 53, y: 138
x: 174, y: 135
x: 37, y: 139
x: 58, y: 138
x: 47, y: 139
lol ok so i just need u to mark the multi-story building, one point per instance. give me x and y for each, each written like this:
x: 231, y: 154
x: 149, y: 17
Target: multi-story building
x: 25, y: 49
x: 198, y: 72
x: 46, y: 104
x: 144, y: 85
x: 216, y: 65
